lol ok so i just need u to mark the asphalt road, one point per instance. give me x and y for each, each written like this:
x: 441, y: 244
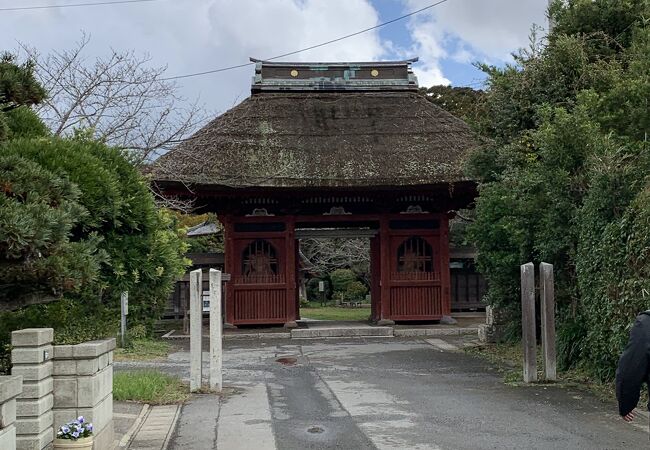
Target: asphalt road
x: 386, y: 394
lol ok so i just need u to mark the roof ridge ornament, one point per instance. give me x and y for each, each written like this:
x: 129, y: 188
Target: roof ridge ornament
x: 333, y: 76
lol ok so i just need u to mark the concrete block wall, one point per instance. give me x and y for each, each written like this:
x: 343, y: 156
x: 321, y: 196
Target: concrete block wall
x: 83, y: 386
x: 10, y: 388
x: 31, y: 358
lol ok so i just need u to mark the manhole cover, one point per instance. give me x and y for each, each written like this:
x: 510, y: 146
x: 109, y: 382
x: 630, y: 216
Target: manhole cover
x: 287, y: 360
x: 315, y: 430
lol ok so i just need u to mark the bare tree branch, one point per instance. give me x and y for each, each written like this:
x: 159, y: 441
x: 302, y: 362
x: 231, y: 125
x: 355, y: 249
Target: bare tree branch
x: 121, y: 98
x: 329, y: 254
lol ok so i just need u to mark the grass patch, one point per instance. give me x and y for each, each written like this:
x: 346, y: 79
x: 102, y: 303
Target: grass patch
x: 315, y: 311
x: 509, y: 359
x: 143, y: 350
x: 149, y: 386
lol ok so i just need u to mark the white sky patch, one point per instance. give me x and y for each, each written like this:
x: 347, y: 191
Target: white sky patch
x: 198, y: 35
x: 486, y: 31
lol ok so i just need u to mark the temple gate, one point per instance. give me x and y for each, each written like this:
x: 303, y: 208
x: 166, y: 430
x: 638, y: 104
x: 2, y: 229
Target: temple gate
x: 329, y: 148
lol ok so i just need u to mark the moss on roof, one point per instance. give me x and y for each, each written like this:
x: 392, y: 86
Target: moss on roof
x: 333, y: 139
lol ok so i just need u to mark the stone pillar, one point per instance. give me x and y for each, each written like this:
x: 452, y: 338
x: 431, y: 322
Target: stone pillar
x: 547, y: 307
x: 493, y: 330
x: 83, y: 386
x: 10, y: 388
x: 528, y: 331
x: 216, y: 347
x: 196, y: 330
x: 31, y: 358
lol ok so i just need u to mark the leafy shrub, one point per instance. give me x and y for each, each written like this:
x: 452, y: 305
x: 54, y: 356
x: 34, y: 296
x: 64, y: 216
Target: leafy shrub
x: 355, y: 291
x: 340, y: 279
x: 143, y: 246
x: 564, y: 179
x: 38, y: 211
x: 138, y: 331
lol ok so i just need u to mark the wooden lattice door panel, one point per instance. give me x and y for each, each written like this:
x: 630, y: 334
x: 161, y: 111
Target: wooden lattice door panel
x: 415, y: 288
x: 259, y: 282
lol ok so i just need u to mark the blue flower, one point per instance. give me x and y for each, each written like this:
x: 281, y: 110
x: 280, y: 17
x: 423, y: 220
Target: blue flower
x: 80, y: 419
x: 75, y: 434
x: 65, y: 429
x: 89, y: 427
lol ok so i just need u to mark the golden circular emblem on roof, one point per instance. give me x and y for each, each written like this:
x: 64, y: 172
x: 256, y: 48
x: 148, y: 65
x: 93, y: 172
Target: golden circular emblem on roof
x: 374, y: 72
x: 294, y: 73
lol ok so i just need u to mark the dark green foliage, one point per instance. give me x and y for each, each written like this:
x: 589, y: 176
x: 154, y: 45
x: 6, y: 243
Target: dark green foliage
x: 38, y: 211
x: 73, y: 321
x: 23, y: 122
x: 615, y: 20
x: 142, y: 246
x: 212, y: 243
x: 18, y: 86
x: 463, y: 102
x: 346, y: 286
x: 341, y: 278
x: 18, y: 91
x: 314, y: 295
x: 565, y: 177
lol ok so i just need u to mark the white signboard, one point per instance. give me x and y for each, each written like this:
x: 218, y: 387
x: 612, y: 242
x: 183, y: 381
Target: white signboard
x: 321, y: 286
x: 125, y: 303
x: 206, y: 301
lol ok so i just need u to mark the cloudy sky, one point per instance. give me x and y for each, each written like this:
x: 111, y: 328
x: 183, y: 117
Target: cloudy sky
x: 197, y: 35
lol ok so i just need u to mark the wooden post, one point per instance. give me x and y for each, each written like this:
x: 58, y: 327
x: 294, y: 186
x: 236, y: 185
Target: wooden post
x: 229, y: 267
x: 384, y: 282
x: 215, y: 331
x: 547, y: 306
x: 528, y: 337
x: 290, y: 272
x: 196, y: 314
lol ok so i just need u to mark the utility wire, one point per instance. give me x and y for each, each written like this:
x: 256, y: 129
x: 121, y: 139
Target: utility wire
x: 74, y: 5
x: 223, y: 69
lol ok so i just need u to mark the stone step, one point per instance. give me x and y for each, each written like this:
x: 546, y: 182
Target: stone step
x: 417, y: 332
x: 341, y: 332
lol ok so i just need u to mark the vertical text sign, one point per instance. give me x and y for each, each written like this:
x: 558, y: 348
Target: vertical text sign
x: 124, y: 303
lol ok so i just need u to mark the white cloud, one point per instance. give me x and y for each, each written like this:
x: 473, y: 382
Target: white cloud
x: 192, y: 36
x: 470, y: 30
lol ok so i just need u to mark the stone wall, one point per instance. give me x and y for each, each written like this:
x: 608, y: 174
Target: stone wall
x: 83, y: 386
x: 10, y: 388
x: 31, y: 358
x: 59, y: 384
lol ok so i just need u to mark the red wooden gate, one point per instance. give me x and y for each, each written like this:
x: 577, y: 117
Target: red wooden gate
x: 262, y: 263
x: 418, y: 270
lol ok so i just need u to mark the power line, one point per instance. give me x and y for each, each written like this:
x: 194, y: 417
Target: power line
x: 223, y: 69
x: 74, y: 5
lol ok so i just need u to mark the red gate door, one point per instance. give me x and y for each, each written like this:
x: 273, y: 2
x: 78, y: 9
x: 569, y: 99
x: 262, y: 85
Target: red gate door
x: 259, y: 284
x: 415, y: 287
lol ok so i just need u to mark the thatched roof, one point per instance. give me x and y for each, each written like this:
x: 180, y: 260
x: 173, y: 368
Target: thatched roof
x: 324, y: 138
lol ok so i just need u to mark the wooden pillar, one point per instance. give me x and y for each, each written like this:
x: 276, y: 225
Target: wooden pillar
x: 229, y: 264
x: 547, y: 306
x: 290, y: 271
x: 375, y: 277
x: 528, y: 335
x: 384, y: 255
x: 445, y: 275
